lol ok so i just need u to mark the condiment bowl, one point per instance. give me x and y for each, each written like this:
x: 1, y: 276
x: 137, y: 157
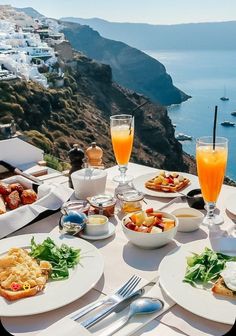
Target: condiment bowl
x: 189, y: 219
x: 96, y: 225
x: 150, y: 240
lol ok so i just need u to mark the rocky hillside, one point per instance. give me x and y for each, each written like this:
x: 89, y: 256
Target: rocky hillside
x: 56, y: 118
x: 131, y: 67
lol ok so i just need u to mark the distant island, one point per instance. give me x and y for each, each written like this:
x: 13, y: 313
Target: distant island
x: 192, y: 36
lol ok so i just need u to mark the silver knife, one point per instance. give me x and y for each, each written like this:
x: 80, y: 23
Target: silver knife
x: 88, y: 323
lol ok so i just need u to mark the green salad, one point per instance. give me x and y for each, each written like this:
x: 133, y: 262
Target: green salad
x: 61, y: 258
x: 205, y: 267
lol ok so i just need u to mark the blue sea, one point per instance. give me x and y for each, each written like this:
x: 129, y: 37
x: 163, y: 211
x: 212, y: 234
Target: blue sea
x: 204, y: 75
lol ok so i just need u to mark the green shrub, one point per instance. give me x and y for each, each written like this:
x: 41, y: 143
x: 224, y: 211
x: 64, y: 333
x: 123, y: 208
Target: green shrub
x: 53, y: 162
x: 14, y: 109
x: 40, y: 140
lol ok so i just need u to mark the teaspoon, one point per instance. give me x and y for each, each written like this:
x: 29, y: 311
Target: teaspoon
x: 140, y: 306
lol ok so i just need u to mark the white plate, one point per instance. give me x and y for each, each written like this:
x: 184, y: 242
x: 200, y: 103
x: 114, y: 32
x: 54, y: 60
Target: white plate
x: 198, y: 301
x: 139, y: 184
x: 57, y: 293
x: 111, y: 231
x: 231, y: 204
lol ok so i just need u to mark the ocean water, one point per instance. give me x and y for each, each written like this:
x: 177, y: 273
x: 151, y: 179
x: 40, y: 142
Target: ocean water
x: 204, y: 75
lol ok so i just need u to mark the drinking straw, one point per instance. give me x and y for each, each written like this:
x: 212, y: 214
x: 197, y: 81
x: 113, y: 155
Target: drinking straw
x: 214, y: 128
x: 132, y: 113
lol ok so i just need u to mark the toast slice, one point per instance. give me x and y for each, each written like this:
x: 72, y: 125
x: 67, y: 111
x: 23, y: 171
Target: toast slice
x: 20, y: 294
x: 221, y: 289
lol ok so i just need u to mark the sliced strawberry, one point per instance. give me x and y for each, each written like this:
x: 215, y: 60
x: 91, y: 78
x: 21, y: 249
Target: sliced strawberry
x: 150, y: 210
x: 156, y: 214
x: 131, y: 226
x: 170, y: 180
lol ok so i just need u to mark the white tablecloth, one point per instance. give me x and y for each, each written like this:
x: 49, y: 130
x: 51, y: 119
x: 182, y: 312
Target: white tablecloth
x: 122, y: 259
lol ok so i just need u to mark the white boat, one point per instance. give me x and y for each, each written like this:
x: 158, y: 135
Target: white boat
x: 227, y: 123
x: 224, y: 97
x: 183, y: 137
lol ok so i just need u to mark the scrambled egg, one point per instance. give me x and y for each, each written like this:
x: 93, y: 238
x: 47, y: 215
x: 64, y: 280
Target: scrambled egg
x: 19, y: 267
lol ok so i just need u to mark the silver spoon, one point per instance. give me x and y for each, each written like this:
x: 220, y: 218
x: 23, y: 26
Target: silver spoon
x: 140, y: 306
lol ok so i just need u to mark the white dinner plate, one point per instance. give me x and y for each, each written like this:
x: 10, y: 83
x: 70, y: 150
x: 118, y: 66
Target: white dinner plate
x: 198, y: 301
x: 231, y: 203
x: 56, y: 293
x: 139, y: 184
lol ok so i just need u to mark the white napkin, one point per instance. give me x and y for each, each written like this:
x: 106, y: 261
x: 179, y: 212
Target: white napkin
x: 191, y: 324
x: 52, y: 198
x: 67, y: 326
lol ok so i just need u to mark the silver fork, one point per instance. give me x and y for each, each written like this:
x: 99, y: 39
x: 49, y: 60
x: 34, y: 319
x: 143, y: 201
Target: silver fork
x: 114, y: 298
x: 118, y: 297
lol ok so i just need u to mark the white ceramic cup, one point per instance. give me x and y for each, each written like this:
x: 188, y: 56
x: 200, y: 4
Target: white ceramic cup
x: 96, y: 229
x: 89, y: 183
x: 191, y: 219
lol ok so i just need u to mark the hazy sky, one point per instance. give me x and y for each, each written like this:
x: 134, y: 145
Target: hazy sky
x: 149, y: 11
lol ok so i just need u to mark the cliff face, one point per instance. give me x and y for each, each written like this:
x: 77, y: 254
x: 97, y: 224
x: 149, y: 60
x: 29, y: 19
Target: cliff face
x: 54, y: 119
x: 131, y: 67
x: 186, y: 36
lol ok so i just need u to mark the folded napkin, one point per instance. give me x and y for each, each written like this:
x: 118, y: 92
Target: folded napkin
x: 51, y: 197
x: 67, y: 326
x: 191, y: 324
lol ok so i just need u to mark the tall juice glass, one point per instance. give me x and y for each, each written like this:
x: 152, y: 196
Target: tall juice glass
x: 122, y: 136
x: 211, y: 166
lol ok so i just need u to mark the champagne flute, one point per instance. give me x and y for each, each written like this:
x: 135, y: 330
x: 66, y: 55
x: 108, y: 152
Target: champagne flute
x: 122, y: 136
x: 211, y: 165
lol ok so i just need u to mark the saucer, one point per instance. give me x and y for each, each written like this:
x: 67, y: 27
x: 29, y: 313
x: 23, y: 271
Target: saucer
x: 111, y: 231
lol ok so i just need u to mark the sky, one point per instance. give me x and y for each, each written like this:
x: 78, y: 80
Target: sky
x: 146, y: 11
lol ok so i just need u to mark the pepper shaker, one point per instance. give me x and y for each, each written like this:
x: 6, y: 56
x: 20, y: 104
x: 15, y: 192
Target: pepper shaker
x: 76, y: 156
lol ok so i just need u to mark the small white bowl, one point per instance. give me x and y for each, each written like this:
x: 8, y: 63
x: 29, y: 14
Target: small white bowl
x: 191, y: 219
x: 96, y: 228
x: 150, y: 240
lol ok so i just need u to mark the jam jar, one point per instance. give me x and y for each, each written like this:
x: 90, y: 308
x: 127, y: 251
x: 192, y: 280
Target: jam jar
x: 131, y: 201
x: 103, y: 204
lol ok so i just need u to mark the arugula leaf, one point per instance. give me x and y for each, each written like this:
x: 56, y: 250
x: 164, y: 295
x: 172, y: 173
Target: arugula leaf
x: 205, y: 267
x: 62, y: 258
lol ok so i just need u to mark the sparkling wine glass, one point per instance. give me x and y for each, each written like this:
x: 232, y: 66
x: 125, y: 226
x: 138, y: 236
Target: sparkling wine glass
x: 122, y: 136
x: 211, y: 166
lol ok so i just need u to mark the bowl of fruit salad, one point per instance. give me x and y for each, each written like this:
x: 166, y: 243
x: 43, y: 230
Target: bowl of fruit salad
x: 150, y: 229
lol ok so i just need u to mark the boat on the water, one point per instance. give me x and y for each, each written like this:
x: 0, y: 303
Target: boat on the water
x: 233, y: 113
x: 227, y: 123
x: 224, y: 97
x: 183, y: 137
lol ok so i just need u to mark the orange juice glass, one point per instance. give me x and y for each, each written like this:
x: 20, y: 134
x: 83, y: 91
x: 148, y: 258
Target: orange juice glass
x: 211, y: 166
x: 122, y: 136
